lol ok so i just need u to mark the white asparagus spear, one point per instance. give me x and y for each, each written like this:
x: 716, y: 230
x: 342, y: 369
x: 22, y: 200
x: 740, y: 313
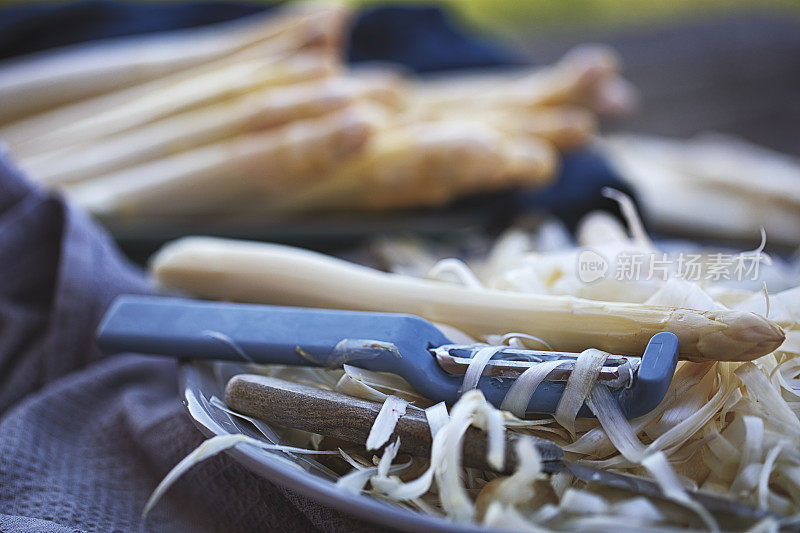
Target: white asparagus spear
x: 253, y: 112
x: 34, y: 84
x: 570, y: 81
x: 676, y: 197
x: 274, y: 274
x: 565, y: 126
x: 120, y: 111
x: 428, y: 163
x: 715, y: 160
x: 236, y: 170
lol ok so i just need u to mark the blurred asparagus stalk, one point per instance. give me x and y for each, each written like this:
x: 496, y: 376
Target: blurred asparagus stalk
x: 34, y: 85
x: 267, y: 273
x: 586, y: 76
x: 711, y: 185
x: 131, y: 151
x: 716, y: 160
x: 228, y: 172
x: 256, y: 111
x: 565, y: 127
x: 427, y: 163
x: 89, y: 121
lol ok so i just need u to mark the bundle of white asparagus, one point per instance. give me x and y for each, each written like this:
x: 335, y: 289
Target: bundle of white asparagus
x: 712, y: 185
x: 260, y: 116
x: 729, y: 423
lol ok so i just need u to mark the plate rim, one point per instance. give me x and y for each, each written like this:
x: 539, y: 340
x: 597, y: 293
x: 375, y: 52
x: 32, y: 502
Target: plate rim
x: 369, y: 509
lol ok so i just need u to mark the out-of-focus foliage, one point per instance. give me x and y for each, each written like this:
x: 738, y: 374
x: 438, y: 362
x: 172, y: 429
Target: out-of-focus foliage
x: 519, y: 16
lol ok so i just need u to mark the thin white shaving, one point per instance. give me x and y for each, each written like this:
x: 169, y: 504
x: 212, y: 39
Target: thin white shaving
x: 580, y: 381
x: 263, y: 428
x: 492, y: 421
x: 659, y: 467
x: 389, y: 453
x: 445, y: 465
x: 391, y: 411
x: 453, y: 496
x: 683, y: 431
x: 596, y: 441
x: 762, y: 390
x: 511, y: 337
x: 519, y: 395
x: 639, y: 509
x: 506, y: 518
x: 210, y: 448
x: 437, y: 417
x: 583, y: 502
x: 759, y: 251
x: 457, y: 268
x: 229, y: 342
x: 751, y: 452
x: 476, y: 366
x: 766, y: 471
x: 355, y: 480
x: 207, y: 449
x: 631, y: 215
x: 518, y: 487
x: 619, y: 431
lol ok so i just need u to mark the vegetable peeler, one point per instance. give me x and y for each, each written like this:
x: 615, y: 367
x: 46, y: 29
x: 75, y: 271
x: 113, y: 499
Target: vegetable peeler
x: 332, y: 414
x: 406, y: 345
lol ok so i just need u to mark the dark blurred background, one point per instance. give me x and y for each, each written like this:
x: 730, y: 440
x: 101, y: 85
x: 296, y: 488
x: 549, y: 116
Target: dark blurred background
x: 736, y: 73
x: 731, y: 66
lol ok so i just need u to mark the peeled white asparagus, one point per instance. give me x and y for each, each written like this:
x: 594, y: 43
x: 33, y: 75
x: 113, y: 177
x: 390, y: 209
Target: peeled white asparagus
x: 715, y: 185
x: 266, y: 273
x: 427, y: 163
x: 33, y: 84
x: 260, y: 110
x: 569, y: 81
x: 676, y: 201
x: 89, y: 121
x: 565, y: 126
x: 240, y: 169
x: 715, y: 160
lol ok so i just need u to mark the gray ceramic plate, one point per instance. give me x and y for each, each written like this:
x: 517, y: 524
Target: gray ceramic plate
x: 200, y: 381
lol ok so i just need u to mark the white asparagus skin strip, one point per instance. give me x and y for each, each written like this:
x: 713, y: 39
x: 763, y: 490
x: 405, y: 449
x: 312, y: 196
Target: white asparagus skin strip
x: 267, y: 273
x: 232, y: 171
x: 144, y: 103
x: 33, y: 84
x: 253, y: 112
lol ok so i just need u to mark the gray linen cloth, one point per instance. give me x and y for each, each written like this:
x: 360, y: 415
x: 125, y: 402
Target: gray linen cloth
x: 85, y: 439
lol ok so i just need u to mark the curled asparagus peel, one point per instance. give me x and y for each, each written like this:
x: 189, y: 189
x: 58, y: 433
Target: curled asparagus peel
x: 274, y: 274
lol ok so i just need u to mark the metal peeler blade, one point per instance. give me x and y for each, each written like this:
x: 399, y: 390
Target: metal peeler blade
x: 618, y: 371
x: 383, y: 342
